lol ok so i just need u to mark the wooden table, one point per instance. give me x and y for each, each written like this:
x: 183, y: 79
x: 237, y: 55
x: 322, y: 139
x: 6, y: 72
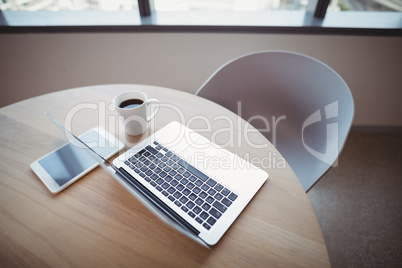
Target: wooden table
x: 97, y: 223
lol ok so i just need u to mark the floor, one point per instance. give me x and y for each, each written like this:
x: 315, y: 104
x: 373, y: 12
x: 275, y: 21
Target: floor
x: 359, y: 202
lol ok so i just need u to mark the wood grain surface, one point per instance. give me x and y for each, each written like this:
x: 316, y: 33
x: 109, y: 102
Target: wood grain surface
x: 96, y: 223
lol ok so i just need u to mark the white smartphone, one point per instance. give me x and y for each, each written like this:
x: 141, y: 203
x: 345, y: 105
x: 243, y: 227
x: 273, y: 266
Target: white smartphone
x: 65, y: 165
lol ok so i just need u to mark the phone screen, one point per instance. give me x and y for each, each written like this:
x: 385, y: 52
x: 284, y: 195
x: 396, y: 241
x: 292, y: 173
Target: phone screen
x: 71, y: 160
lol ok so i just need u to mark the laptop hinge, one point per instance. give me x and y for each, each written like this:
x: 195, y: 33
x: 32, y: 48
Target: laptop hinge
x: 160, y: 205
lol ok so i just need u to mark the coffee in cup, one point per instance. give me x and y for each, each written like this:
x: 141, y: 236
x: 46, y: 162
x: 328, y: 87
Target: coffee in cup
x: 133, y: 106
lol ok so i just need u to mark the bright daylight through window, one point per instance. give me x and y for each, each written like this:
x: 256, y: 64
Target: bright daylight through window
x: 229, y: 5
x: 71, y: 5
x: 187, y: 5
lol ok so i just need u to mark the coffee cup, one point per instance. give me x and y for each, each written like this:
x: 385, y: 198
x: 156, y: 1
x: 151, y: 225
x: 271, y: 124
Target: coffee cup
x: 133, y: 108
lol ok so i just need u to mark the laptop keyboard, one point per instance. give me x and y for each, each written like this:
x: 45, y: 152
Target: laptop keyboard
x: 200, y: 196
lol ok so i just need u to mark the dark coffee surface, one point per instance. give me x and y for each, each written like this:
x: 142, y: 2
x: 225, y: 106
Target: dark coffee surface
x: 130, y: 103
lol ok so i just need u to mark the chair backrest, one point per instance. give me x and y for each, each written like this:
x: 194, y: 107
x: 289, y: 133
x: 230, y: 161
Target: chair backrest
x: 300, y: 104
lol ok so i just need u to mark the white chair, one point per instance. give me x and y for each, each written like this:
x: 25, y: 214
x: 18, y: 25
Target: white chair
x: 306, y: 106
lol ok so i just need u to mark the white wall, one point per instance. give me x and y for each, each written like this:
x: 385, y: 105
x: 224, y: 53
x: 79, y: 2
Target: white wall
x: 34, y: 64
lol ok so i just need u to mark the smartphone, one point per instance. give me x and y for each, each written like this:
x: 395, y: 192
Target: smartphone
x: 65, y: 165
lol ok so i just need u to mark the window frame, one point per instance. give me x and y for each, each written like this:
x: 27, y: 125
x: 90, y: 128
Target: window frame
x: 315, y: 20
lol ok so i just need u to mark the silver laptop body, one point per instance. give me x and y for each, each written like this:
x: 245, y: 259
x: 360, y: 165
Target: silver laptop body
x: 189, y: 181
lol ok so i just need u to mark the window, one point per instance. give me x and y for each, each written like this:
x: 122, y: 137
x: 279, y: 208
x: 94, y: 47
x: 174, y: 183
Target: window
x: 365, y: 5
x: 188, y: 5
x: 68, y: 5
x: 229, y: 5
x: 207, y: 15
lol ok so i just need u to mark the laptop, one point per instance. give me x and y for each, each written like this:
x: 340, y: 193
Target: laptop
x: 186, y: 180
x: 195, y: 183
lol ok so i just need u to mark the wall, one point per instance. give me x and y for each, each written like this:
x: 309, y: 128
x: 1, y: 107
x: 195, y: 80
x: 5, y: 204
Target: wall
x: 34, y: 64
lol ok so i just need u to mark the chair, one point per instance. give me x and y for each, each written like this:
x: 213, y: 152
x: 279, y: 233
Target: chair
x: 300, y: 104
